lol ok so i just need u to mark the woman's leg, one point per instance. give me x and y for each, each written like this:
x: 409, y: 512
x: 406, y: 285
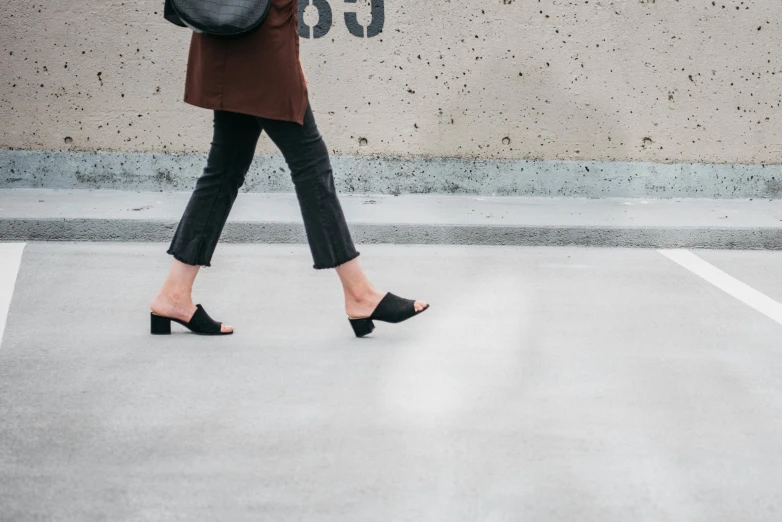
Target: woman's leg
x: 230, y: 156
x: 196, y: 236
x: 324, y: 222
x: 307, y: 157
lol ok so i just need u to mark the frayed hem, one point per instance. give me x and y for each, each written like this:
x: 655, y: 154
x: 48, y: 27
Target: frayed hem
x: 186, y: 261
x: 326, y: 267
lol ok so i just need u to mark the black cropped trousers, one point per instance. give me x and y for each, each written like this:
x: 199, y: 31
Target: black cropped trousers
x: 230, y: 156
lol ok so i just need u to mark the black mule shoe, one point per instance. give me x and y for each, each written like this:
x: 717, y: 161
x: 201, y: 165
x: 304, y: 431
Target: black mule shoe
x: 200, y: 323
x: 390, y: 309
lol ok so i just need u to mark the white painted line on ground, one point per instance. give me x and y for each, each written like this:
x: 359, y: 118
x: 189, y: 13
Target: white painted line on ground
x: 727, y: 283
x: 10, y: 259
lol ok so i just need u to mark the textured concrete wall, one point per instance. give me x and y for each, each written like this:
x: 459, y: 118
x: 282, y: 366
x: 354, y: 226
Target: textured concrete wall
x: 630, y: 80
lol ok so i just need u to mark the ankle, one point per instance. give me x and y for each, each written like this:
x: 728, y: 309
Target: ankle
x: 362, y: 294
x: 175, y: 294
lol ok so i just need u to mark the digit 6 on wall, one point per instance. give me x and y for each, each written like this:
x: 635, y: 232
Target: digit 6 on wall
x: 323, y: 26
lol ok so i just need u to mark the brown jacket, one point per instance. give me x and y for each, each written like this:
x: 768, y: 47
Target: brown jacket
x: 257, y: 74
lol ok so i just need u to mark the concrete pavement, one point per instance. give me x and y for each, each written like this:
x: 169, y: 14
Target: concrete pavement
x: 546, y: 384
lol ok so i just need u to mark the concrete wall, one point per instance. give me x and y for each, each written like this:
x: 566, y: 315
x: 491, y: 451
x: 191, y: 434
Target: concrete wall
x: 632, y: 80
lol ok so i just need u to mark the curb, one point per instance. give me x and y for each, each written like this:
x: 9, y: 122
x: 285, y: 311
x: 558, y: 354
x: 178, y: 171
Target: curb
x: 121, y: 230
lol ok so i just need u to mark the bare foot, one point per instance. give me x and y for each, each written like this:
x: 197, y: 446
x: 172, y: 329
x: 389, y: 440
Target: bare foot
x: 177, y: 304
x: 363, y: 305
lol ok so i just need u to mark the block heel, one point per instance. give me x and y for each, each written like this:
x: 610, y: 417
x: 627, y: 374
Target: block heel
x: 200, y: 323
x: 390, y: 309
x: 160, y: 325
x: 362, y: 327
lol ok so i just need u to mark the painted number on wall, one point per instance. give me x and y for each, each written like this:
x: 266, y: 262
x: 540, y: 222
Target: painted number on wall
x: 323, y: 26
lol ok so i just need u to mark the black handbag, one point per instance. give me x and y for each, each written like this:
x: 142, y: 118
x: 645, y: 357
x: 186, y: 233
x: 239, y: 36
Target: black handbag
x: 223, y: 18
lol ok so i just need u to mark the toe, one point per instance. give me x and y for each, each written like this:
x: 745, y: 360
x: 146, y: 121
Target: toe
x: 226, y: 328
x: 420, y: 305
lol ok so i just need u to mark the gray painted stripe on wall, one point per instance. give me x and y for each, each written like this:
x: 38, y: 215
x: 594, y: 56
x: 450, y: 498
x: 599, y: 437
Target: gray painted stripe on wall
x: 392, y: 175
